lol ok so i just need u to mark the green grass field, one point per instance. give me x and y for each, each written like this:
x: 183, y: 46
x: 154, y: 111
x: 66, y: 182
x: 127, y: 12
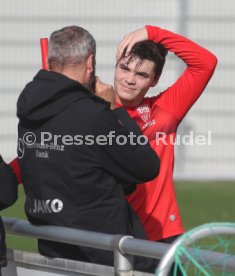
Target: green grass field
x: 199, y: 203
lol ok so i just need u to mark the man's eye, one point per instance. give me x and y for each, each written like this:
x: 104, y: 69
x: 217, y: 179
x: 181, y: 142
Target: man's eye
x: 124, y: 68
x: 143, y: 76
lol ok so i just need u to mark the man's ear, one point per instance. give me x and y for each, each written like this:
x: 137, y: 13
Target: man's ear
x: 90, y: 64
x: 154, y: 82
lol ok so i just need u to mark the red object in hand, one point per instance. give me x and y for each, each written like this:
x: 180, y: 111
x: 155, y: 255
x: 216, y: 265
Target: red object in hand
x: 44, y: 52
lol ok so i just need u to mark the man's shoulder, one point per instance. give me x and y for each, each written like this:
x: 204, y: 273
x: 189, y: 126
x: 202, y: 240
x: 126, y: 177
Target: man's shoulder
x: 91, y: 102
x: 93, y: 109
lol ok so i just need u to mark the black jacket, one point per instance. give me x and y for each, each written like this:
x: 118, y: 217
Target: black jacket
x: 71, y: 180
x: 8, y: 195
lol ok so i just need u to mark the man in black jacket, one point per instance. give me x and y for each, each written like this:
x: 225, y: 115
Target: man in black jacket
x: 8, y: 195
x: 74, y: 153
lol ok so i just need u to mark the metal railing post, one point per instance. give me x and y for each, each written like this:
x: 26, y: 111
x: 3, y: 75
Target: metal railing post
x: 123, y: 263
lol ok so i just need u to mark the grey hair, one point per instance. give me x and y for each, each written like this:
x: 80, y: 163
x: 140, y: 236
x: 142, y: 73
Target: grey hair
x: 70, y: 45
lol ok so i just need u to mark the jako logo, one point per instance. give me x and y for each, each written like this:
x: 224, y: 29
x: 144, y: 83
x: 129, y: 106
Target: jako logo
x: 46, y: 206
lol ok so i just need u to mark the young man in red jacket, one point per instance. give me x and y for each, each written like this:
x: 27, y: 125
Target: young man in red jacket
x: 141, y: 57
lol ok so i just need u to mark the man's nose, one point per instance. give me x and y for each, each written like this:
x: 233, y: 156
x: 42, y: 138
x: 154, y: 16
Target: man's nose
x: 130, y: 79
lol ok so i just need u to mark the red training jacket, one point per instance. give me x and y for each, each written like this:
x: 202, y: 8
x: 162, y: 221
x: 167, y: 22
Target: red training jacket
x: 158, y: 118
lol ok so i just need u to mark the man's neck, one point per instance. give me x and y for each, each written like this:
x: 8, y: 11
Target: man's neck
x: 127, y: 104
x: 73, y: 71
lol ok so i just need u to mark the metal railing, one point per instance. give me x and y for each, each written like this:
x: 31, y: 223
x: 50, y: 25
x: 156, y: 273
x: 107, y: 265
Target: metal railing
x: 122, y: 246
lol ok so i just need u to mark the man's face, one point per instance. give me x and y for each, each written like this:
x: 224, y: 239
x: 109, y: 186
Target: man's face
x: 132, y: 80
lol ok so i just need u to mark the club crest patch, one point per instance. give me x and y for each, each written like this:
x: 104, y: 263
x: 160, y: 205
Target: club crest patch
x: 145, y: 115
x: 144, y: 112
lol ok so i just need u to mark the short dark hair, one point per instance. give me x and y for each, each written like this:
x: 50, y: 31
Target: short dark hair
x: 148, y: 50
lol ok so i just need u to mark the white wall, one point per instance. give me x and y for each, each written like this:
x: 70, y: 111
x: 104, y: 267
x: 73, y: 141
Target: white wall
x: 210, y: 23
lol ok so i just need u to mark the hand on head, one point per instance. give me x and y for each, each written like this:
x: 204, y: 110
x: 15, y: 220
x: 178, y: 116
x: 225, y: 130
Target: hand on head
x: 129, y: 40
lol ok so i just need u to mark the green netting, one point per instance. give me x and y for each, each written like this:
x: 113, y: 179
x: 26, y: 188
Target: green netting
x: 189, y: 256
